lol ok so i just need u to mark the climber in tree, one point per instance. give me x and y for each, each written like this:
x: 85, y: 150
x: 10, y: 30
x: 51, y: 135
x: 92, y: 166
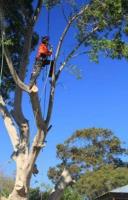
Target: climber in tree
x: 41, y: 60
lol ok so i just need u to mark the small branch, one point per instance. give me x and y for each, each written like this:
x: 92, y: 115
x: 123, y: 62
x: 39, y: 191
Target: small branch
x: 73, y: 51
x: 81, y: 53
x: 63, y: 11
x: 9, y: 124
x: 66, y: 30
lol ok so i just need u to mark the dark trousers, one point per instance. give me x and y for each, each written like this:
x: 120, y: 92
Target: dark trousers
x: 39, y: 65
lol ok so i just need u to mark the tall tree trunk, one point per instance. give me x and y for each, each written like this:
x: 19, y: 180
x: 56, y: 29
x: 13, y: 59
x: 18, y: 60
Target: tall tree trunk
x: 22, y: 182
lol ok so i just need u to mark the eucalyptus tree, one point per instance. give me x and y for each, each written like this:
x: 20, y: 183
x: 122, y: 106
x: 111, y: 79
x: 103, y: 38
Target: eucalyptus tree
x: 99, y: 26
x: 94, y: 159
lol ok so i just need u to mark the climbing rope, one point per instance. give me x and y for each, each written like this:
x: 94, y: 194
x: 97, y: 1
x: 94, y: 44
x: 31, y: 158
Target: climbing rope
x: 46, y: 67
x: 45, y: 83
x: 48, y: 20
x: 2, y: 56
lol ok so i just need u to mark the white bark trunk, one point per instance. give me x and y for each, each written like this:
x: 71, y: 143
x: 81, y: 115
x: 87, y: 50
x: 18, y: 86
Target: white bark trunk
x: 22, y: 182
x: 64, y: 181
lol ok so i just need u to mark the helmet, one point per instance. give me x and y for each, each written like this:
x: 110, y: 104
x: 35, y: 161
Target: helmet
x: 45, y: 39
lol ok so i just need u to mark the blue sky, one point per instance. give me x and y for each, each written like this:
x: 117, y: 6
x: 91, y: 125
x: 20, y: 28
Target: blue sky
x: 99, y: 99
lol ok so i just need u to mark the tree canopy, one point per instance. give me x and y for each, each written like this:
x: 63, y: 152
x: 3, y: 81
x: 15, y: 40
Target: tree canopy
x: 89, y: 154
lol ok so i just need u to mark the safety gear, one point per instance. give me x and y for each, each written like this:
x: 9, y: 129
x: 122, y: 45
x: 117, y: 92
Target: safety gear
x: 45, y: 39
x: 43, y: 51
x: 41, y: 61
x: 39, y: 64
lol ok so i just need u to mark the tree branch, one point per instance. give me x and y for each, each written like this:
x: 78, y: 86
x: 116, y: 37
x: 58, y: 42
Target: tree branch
x: 51, y: 100
x: 24, y: 61
x: 17, y: 113
x: 9, y: 124
x: 66, y: 30
x: 37, y: 12
x: 13, y: 72
x: 52, y: 90
x: 37, y: 111
x: 64, y: 181
x: 72, y: 52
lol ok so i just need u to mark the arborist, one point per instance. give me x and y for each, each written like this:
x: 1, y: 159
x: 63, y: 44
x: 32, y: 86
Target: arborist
x: 41, y: 60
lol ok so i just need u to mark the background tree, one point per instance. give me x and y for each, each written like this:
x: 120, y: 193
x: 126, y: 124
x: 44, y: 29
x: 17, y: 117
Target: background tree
x: 93, y: 157
x: 93, y: 22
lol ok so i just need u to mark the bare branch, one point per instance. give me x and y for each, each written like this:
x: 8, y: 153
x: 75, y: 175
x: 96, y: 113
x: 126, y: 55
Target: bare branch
x: 73, y: 51
x: 66, y: 30
x: 13, y: 72
x: 63, y: 11
x: 52, y: 90
x: 9, y: 124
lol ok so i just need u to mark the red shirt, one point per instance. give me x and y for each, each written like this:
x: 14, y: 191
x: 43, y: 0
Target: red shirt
x: 43, y: 49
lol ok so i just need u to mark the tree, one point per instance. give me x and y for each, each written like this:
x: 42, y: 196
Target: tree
x: 93, y: 22
x: 93, y: 157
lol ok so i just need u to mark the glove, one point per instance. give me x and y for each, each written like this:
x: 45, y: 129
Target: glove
x: 50, y: 50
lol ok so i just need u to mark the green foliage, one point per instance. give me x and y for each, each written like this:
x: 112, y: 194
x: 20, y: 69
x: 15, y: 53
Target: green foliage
x: 36, y: 194
x: 90, y: 155
x: 111, y: 18
x: 51, y: 3
x: 102, y: 181
x: 93, y: 147
x: 71, y: 194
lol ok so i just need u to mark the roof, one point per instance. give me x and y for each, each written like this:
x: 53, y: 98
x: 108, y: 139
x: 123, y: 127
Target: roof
x: 123, y: 189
